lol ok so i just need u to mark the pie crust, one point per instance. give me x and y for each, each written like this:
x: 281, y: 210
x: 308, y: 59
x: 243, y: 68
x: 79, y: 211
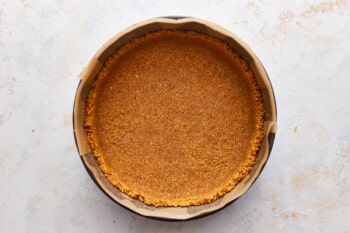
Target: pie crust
x: 175, y: 118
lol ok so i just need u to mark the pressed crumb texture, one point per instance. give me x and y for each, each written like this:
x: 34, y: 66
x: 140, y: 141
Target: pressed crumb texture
x: 175, y: 118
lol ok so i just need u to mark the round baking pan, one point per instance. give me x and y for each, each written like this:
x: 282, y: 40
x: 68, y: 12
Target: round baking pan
x: 172, y: 23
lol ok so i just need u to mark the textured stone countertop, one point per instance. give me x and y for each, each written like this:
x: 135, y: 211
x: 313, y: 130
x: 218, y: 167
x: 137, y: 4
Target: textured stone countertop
x: 305, y: 48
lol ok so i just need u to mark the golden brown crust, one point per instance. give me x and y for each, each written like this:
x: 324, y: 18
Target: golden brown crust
x: 175, y: 119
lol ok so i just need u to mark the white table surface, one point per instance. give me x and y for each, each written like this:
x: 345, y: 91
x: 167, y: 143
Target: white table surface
x: 305, y: 48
